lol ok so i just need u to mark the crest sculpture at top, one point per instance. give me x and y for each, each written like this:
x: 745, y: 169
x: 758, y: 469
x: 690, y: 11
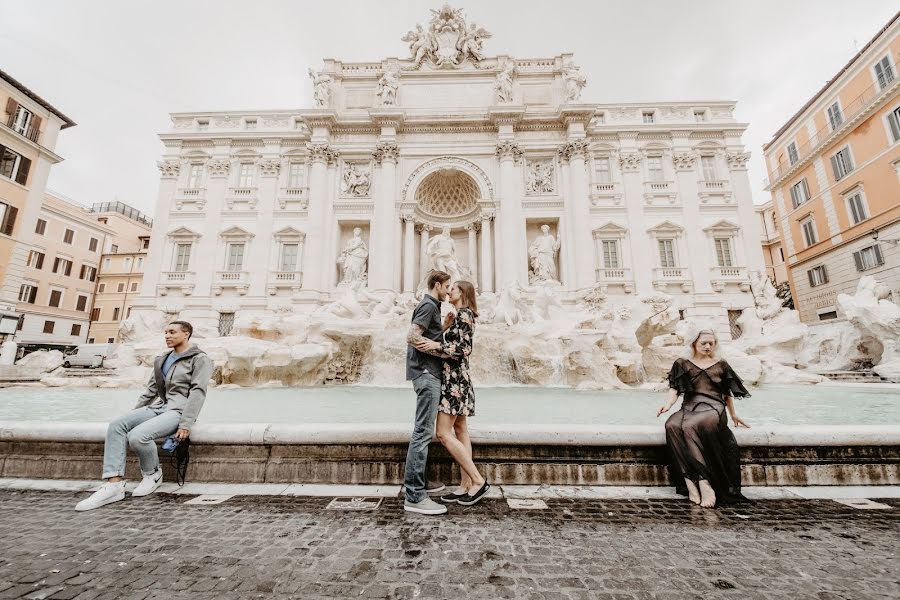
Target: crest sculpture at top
x: 448, y: 41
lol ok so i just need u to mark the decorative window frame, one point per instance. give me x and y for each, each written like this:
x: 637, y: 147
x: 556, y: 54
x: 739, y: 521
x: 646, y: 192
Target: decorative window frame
x: 860, y: 190
x: 809, y: 218
x: 892, y: 110
x: 666, y: 230
x: 726, y: 229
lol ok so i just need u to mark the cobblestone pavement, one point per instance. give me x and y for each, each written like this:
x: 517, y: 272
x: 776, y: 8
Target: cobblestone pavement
x: 286, y: 547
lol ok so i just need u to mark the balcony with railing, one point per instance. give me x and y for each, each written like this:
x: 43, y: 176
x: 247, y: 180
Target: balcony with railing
x: 176, y: 280
x: 290, y: 280
x: 606, y: 193
x: 660, y: 193
x: 237, y: 280
x: 293, y: 198
x: 663, y: 277
x: 720, y: 276
x: 31, y: 132
x: 617, y: 276
x: 190, y: 196
x: 853, y: 112
x: 715, y: 191
x: 242, y: 195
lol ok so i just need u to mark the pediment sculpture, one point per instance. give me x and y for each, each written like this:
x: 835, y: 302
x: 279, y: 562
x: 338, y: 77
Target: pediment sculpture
x: 448, y: 41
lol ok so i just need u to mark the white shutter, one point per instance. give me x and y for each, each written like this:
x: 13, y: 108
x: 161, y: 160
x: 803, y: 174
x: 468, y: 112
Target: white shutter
x: 879, y: 258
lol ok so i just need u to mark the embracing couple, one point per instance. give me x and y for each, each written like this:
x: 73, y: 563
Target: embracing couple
x: 437, y: 363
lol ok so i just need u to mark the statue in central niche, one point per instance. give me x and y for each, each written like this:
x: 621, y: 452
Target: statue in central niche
x: 542, y: 255
x: 441, y: 252
x: 353, y: 258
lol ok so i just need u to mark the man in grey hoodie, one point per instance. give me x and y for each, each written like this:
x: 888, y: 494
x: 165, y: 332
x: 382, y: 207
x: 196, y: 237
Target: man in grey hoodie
x: 174, y: 397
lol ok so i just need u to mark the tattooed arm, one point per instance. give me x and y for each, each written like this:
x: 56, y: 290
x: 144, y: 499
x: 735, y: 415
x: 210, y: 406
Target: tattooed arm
x: 415, y: 338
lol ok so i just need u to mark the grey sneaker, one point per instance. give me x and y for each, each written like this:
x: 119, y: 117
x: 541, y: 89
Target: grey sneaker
x: 425, y: 507
x: 434, y: 487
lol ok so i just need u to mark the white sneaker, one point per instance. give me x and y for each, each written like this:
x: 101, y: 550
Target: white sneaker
x: 108, y: 492
x: 148, y: 484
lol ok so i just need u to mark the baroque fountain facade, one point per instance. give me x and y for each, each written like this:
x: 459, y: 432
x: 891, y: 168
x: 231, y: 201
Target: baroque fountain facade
x: 297, y: 241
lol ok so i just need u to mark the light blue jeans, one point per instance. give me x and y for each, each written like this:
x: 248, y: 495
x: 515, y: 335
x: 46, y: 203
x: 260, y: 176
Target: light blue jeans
x: 138, y: 430
x: 428, y: 396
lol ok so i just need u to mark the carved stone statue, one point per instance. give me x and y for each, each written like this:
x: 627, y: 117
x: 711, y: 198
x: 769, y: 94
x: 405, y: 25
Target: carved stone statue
x: 321, y: 88
x: 353, y: 258
x: 575, y: 81
x: 511, y: 307
x: 448, y: 41
x: 420, y: 44
x: 504, y: 83
x: 470, y: 43
x: 356, y: 181
x: 348, y: 306
x: 387, y: 88
x: 539, y: 178
x: 441, y: 251
x: 542, y: 255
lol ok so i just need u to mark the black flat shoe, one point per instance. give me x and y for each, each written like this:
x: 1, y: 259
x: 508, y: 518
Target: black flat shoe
x: 452, y: 497
x: 469, y: 500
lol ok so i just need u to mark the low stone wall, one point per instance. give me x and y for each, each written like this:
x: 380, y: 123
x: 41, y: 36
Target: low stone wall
x: 375, y: 454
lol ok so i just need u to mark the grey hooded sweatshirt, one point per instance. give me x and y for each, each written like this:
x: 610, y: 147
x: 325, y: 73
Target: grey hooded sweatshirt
x: 184, y: 389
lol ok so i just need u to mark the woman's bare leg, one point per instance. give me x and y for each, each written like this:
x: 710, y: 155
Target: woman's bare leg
x: 461, y: 429
x: 693, y: 492
x: 457, y: 450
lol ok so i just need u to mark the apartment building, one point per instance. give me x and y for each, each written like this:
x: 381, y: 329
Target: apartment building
x: 29, y: 129
x: 773, y: 250
x: 121, y: 269
x: 834, y: 176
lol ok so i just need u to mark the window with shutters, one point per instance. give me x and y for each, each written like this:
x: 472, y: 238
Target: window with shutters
x: 856, y: 208
x: 289, y: 252
x: 649, y: 116
x: 893, y: 119
x: 195, y: 176
x: 114, y: 249
x: 799, y: 193
x: 868, y: 258
x: 235, y: 258
x: 81, y: 303
x: 116, y: 313
x: 7, y: 218
x: 781, y: 253
x: 134, y: 286
x: 14, y: 166
x: 128, y: 312
x: 110, y: 340
x: 62, y: 266
x: 182, y: 257
x: 95, y: 314
x: 92, y: 245
x: 655, y: 168
x: 709, y: 168
x: 55, y: 298
x: 48, y: 326
x: 723, y: 252
x: 295, y: 175
x: 793, y: 156
x: 601, y: 169
x: 21, y: 120
x: 120, y: 288
x: 27, y: 293
x: 76, y: 329
x: 835, y: 118
x: 841, y: 163
x: 611, y: 254
x: 810, y: 236
x: 666, y: 253
x: 68, y: 236
x: 245, y: 175
x: 817, y: 276
x: 107, y: 263
x: 128, y: 262
x: 884, y: 72
x: 35, y: 259
x: 41, y: 227
x: 88, y: 273
x: 140, y: 263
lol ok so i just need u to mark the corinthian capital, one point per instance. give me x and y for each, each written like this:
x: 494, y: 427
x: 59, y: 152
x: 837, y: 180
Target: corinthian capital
x: 630, y: 161
x: 218, y: 167
x: 684, y: 161
x: 168, y: 169
x: 386, y: 151
x: 573, y: 149
x: 737, y: 161
x: 322, y: 152
x: 509, y: 149
x: 269, y: 167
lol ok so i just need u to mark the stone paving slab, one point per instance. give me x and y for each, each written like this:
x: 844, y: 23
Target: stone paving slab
x: 291, y: 547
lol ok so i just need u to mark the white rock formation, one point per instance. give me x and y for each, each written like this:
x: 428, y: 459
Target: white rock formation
x: 877, y: 320
x: 42, y: 361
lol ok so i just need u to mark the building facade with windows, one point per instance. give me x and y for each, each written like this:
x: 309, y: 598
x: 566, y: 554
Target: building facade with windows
x: 29, y: 127
x: 56, y: 292
x: 773, y: 250
x: 276, y: 210
x: 121, y: 269
x: 834, y: 175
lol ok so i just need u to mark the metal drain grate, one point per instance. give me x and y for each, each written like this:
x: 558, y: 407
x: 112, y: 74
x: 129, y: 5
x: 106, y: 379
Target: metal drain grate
x: 862, y: 503
x: 357, y: 503
x: 210, y: 499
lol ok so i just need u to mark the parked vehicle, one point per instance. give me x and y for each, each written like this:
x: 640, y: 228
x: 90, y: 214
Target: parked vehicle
x: 88, y: 355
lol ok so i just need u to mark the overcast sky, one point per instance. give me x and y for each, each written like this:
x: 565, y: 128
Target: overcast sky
x: 117, y: 68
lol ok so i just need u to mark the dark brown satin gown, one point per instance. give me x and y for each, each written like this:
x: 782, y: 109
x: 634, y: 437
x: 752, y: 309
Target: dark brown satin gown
x: 700, y: 443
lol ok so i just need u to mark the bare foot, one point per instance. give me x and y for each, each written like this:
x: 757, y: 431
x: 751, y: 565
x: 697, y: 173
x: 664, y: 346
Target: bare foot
x: 708, y: 496
x: 693, y: 492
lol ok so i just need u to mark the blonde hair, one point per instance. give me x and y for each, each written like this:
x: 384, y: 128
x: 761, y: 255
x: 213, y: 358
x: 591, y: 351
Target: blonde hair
x: 694, y: 335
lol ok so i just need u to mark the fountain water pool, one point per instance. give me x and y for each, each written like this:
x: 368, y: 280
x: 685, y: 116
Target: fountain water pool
x: 496, y: 406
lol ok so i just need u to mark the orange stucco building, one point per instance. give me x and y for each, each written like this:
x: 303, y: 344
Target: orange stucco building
x: 834, y: 176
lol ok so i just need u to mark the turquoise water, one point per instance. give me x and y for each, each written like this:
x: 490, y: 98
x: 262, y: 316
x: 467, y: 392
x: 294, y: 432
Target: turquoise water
x: 784, y: 405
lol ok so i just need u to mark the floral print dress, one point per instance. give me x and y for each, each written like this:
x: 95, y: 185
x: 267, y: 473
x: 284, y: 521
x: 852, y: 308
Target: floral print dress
x: 457, y: 395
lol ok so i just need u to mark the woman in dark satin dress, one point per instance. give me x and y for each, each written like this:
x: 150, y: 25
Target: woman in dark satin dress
x: 703, y: 447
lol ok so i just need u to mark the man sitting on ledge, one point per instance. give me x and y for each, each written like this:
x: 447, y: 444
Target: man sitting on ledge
x: 174, y: 397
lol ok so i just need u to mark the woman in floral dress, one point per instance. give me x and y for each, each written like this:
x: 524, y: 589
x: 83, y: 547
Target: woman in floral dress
x: 457, y: 396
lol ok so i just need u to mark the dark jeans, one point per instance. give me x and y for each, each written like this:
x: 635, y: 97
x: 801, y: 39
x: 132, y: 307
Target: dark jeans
x: 428, y: 396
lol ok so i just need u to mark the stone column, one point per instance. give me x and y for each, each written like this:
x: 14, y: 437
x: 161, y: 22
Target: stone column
x: 487, y: 258
x: 643, y: 248
x: 423, y: 264
x: 473, y: 252
x: 155, y: 264
x: 697, y: 245
x: 737, y: 168
x: 580, y: 214
x: 381, y: 235
x: 512, y: 248
x: 564, y: 232
x: 409, y: 253
x: 206, y: 259
x: 320, y: 155
x: 258, y: 262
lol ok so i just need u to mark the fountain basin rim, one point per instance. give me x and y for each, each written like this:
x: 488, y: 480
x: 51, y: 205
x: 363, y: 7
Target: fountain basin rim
x: 518, y: 434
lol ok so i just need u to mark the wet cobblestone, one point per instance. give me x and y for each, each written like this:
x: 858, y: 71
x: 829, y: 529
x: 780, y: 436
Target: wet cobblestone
x: 286, y: 547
